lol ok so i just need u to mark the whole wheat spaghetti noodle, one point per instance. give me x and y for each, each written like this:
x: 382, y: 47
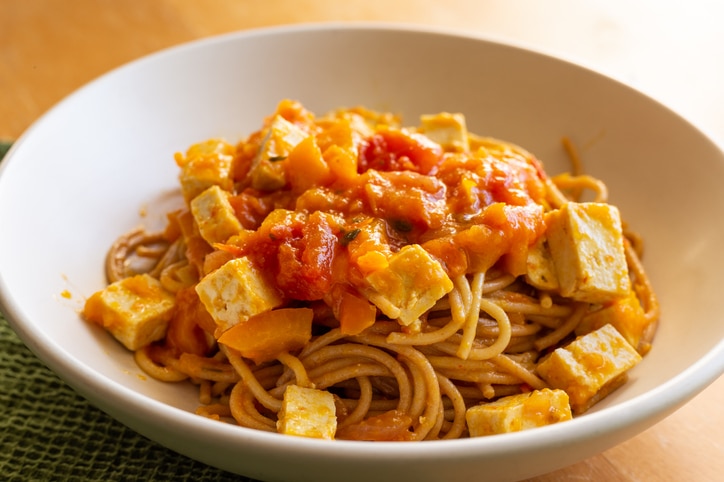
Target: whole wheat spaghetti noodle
x: 404, y: 279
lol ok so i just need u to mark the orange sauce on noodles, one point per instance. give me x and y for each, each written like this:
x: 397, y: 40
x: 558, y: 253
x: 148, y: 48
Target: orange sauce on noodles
x: 469, y: 211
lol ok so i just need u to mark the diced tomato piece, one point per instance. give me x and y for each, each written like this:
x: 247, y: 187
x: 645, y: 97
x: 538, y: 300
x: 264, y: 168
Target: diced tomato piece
x: 399, y: 150
x: 250, y: 207
x: 453, y: 257
x: 505, y: 232
x: 305, y: 262
x: 406, y: 199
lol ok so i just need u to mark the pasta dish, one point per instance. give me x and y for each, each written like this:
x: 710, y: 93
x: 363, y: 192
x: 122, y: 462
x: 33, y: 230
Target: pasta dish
x: 345, y: 276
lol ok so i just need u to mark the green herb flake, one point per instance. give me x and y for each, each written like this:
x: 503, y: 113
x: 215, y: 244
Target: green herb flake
x: 349, y: 236
x: 277, y: 158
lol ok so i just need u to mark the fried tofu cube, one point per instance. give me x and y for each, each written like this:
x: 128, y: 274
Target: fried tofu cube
x: 519, y: 412
x: 586, y: 244
x: 446, y: 129
x: 590, y: 367
x: 214, y: 215
x: 206, y: 164
x: 307, y: 412
x: 409, y: 285
x: 267, y: 171
x: 541, y: 272
x: 236, y: 291
x: 135, y: 310
x: 626, y: 315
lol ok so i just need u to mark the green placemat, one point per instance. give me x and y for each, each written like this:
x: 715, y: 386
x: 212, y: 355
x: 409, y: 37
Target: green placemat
x: 4, y: 147
x: 50, y: 433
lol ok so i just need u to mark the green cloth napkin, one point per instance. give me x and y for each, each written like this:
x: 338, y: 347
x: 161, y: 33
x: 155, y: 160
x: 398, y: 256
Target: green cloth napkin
x: 50, y: 433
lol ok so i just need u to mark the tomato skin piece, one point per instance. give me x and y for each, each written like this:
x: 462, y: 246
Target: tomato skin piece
x: 399, y: 150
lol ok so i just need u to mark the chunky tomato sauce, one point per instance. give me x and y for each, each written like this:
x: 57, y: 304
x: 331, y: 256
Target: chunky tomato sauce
x: 364, y: 192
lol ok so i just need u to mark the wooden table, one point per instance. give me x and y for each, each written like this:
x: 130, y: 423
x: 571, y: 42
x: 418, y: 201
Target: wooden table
x: 675, y: 53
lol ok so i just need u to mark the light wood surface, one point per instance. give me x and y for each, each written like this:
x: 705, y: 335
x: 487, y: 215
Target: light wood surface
x: 673, y: 51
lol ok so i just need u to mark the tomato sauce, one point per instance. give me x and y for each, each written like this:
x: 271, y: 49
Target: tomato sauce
x: 470, y: 210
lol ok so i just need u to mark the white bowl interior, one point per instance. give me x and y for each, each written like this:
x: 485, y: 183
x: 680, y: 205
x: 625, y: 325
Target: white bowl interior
x: 89, y: 169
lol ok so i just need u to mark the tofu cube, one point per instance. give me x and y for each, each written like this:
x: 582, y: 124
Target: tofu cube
x: 590, y: 367
x: 214, y: 215
x: 267, y: 171
x: 541, y: 272
x: 409, y: 285
x: 206, y: 164
x: 135, y: 310
x: 236, y: 291
x: 307, y: 412
x: 586, y: 244
x: 446, y: 129
x: 519, y: 412
x: 626, y: 315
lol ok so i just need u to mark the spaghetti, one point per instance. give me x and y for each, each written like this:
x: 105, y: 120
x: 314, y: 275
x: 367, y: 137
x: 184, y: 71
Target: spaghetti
x: 392, y: 267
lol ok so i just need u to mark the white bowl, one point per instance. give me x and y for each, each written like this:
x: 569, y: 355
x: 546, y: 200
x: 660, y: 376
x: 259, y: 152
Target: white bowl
x: 87, y: 169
